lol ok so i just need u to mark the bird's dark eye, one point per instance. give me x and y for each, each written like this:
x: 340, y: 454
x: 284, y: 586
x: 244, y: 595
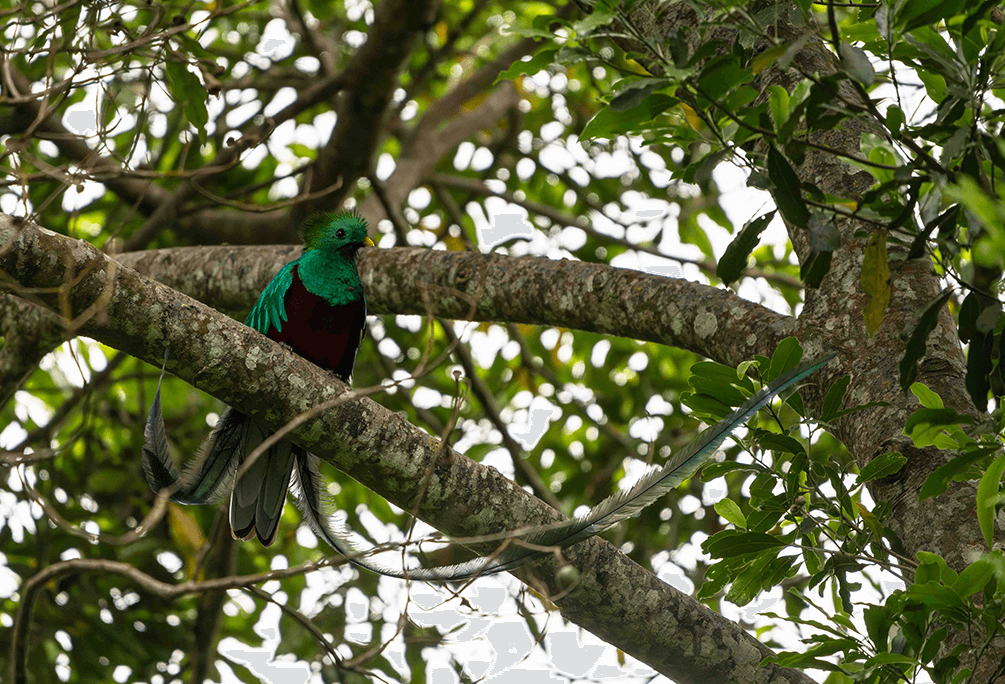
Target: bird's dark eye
x: 340, y: 233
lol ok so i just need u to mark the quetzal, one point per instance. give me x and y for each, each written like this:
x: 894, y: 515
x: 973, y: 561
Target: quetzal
x: 316, y: 306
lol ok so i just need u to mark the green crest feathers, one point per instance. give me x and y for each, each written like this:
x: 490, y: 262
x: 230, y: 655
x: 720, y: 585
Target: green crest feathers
x: 333, y: 229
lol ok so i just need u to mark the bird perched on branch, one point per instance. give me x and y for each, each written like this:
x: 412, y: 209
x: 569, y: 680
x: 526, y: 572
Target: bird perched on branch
x: 316, y: 306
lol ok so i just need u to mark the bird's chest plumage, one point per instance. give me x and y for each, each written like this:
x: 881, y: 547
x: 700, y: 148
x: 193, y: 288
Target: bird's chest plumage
x: 326, y: 334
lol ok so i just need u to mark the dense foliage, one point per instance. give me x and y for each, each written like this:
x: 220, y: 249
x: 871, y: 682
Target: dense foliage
x: 607, y: 132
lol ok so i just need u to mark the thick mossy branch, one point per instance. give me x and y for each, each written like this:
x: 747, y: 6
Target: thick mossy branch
x: 616, y: 599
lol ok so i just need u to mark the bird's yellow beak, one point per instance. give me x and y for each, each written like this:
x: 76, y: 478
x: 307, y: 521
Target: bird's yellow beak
x: 368, y: 242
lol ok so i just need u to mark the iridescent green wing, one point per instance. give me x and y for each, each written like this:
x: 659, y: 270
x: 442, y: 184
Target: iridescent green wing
x: 270, y: 311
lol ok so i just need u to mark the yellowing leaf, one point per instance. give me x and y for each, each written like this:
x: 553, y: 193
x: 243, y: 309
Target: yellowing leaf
x: 454, y: 244
x: 767, y: 58
x: 185, y: 529
x: 875, y: 281
x: 692, y: 117
x: 637, y: 68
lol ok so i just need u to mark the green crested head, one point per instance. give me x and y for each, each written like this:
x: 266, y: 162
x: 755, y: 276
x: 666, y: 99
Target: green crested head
x: 338, y: 230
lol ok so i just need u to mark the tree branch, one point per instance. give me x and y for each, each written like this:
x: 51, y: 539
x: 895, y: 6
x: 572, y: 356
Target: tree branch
x: 427, y: 150
x: 29, y: 333
x: 615, y: 598
x: 537, y: 291
x: 372, y: 74
x: 437, y: 133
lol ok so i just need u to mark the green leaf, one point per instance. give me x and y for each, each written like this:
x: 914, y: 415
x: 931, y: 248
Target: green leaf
x: 988, y: 498
x: 592, y: 22
x: 302, y: 150
x: 710, y: 376
x: 814, y: 560
x: 926, y: 424
x: 927, y: 397
x: 186, y: 89
x: 936, y: 597
x: 857, y: 65
x: 824, y: 239
x: 975, y: 14
x: 572, y: 54
x: 979, y: 365
x: 917, y: 13
x: 747, y: 584
x: 634, y: 93
x: 733, y: 543
x: 763, y: 573
x: 882, y: 466
x: 934, y: 569
x: 729, y: 510
x: 734, y: 259
x: 688, y: 229
x: 787, y: 192
x: 714, y: 470
x: 194, y: 47
x: 834, y: 399
x: 974, y: 577
x: 720, y: 75
x: 610, y: 124
x: 540, y: 61
x: 763, y: 60
x: 875, y: 281
x: 780, y: 444
x: 889, y: 659
x: 956, y: 469
x: 916, y: 345
x: 932, y: 647
x: 894, y: 120
x: 705, y: 406
x: 878, y: 621
x: 763, y: 519
x: 778, y: 98
x: 787, y: 355
x: 811, y: 656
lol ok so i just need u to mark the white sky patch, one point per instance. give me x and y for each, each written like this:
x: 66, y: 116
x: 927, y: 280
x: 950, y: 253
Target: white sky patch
x: 254, y: 157
x: 277, y: 42
x: 283, y: 98
x: 81, y: 118
x: 501, y: 460
x: 28, y: 407
x: 354, y: 39
x: 556, y: 157
x: 529, y: 425
x: 239, y: 115
x: 463, y: 155
x: 646, y: 429
x: 505, y: 224
x: 481, y: 159
x: 385, y: 166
